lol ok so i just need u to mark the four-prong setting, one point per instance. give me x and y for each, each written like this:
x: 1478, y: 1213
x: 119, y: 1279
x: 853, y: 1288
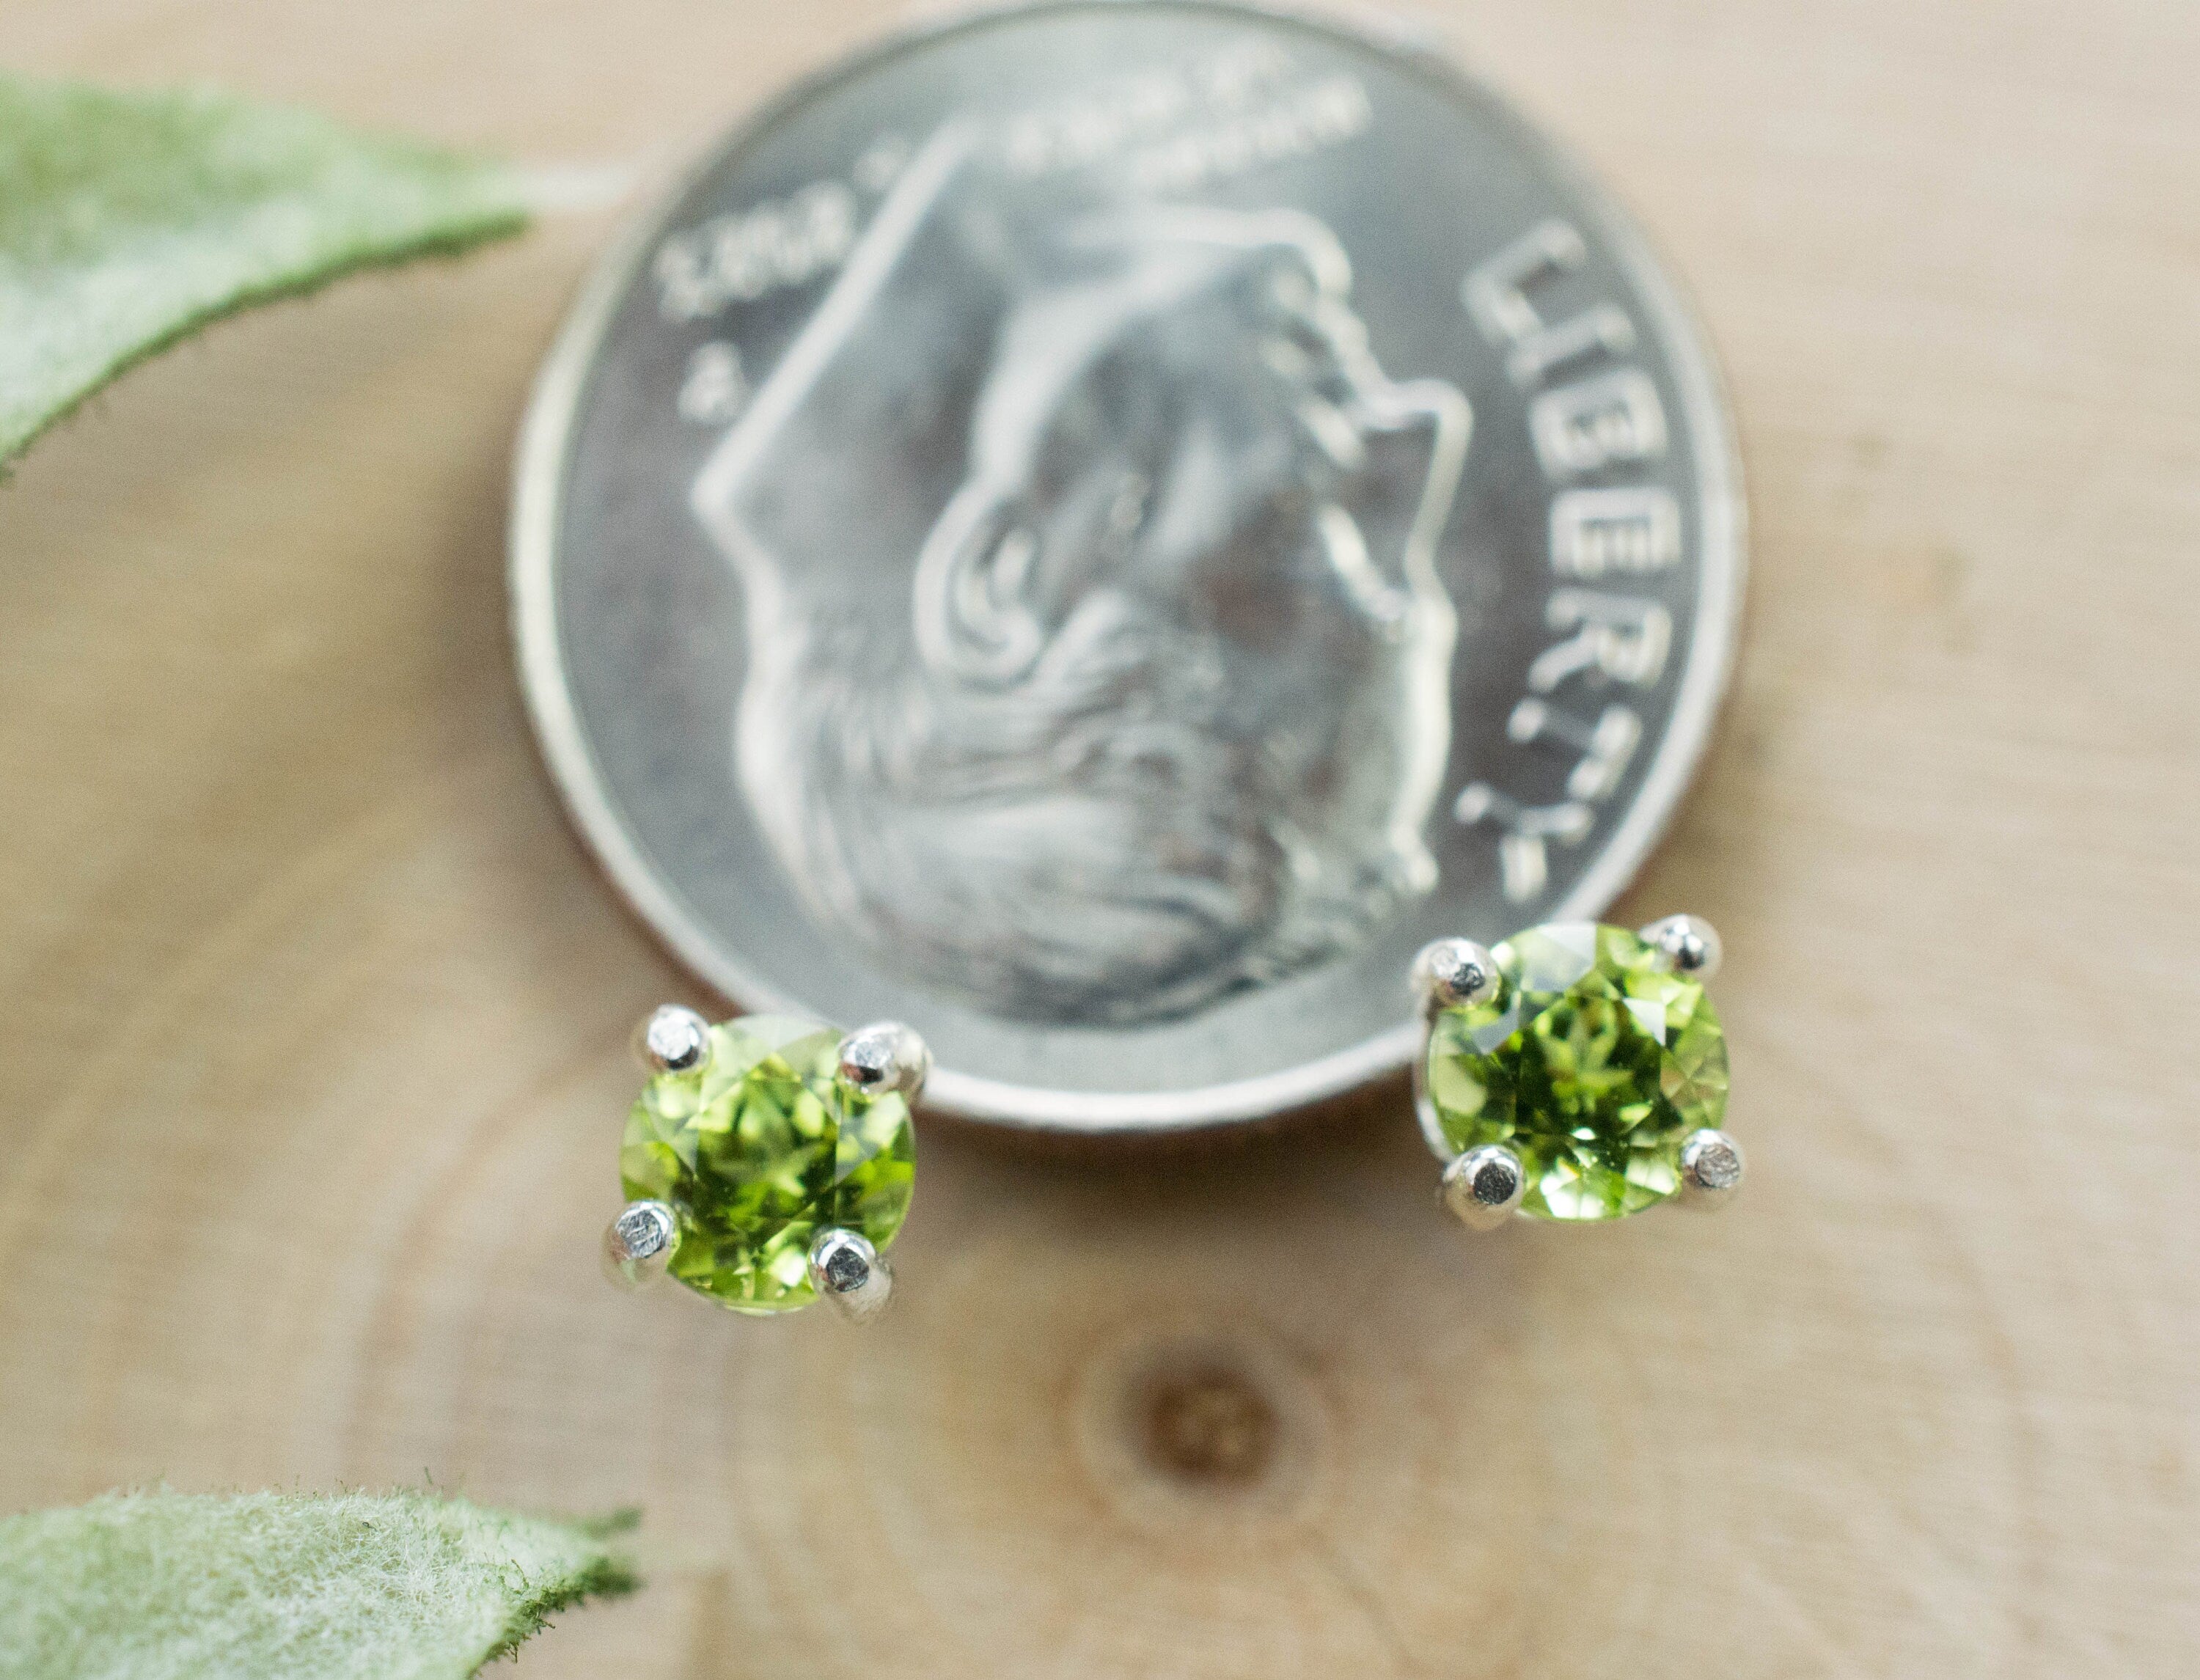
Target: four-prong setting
x: 1690, y: 943
x: 769, y: 1160
x: 1484, y: 1186
x: 1574, y: 1071
x: 1524, y: 1048
x: 638, y: 1244
x: 885, y: 1057
x: 674, y: 1039
x: 845, y: 1270
x: 1712, y: 1169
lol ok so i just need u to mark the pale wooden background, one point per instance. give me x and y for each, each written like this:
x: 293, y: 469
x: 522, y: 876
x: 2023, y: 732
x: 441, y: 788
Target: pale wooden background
x: 313, y: 1010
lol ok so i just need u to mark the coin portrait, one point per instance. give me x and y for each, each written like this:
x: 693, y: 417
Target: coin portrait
x: 1094, y: 528
x: 1144, y: 699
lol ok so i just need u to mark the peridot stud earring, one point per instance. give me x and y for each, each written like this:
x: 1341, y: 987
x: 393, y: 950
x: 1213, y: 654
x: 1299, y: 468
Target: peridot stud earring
x: 769, y: 1161
x: 1574, y: 1071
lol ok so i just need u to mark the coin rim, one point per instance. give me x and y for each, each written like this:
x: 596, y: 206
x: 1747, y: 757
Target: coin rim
x: 543, y: 447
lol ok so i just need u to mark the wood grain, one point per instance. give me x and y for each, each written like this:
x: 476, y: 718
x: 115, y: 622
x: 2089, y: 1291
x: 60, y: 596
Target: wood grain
x: 313, y: 1010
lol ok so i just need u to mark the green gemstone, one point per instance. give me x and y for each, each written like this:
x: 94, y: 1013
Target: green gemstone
x: 758, y: 1150
x: 1592, y: 1063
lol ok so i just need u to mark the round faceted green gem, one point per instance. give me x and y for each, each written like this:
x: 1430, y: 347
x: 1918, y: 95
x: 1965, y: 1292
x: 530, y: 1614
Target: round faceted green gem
x: 759, y: 1149
x: 1592, y: 1063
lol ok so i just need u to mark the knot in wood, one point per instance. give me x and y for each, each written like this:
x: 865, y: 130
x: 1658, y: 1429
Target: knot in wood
x: 1208, y: 1425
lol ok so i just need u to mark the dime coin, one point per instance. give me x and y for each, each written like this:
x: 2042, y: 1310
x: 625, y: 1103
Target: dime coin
x: 1096, y: 529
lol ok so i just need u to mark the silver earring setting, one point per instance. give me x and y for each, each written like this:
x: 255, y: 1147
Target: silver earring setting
x: 769, y: 1160
x: 1575, y: 1072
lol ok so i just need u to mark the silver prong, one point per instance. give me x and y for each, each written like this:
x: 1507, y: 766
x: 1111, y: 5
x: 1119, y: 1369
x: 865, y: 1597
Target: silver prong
x: 673, y: 1040
x: 1712, y: 1169
x: 1449, y: 973
x: 885, y: 1056
x: 1689, y: 942
x: 638, y: 1244
x: 845, y: 1270
x: 1484, y: 1186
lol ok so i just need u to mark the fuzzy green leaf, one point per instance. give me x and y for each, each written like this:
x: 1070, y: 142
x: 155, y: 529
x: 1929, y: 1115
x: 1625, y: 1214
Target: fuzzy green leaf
x: 162, y: 1586
x: 128, y: 219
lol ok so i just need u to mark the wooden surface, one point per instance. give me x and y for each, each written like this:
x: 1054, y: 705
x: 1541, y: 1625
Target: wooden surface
x: 313, y: 1010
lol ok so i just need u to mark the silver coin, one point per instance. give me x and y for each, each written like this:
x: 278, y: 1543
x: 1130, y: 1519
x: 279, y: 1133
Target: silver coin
x: 1097, y: 529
